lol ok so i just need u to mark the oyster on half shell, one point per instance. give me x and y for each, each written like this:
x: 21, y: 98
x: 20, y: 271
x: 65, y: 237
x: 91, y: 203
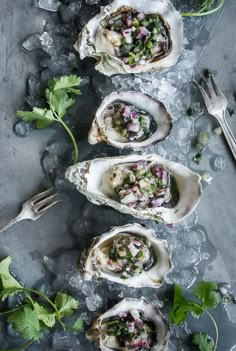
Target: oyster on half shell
x: 133, y: 37
x: 129, y: 255
x: 130, y: 120
x: 141, y: 327
x: 145, y: 186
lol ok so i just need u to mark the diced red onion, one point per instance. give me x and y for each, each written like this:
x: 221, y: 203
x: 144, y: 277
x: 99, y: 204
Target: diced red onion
x: 127, y: 33
x: 128, y: 22
x: 165, y: 178
x: 141, y: 15
x: 133, y: 127
x: 157, y: 48
x: 127, y: 111
x: 129, y: 15
x: 110, y: 107
x: 159, y: 174
x: 144, y: 31
x: 141, y: 164
x: 143, y: 203
x: 133, y: 114
x: 157, y: 202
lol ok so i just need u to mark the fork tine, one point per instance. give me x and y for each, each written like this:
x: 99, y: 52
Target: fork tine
x: 45, y: 201
x: 217, y: 90
x: 202, y: 91
x: 48, y: 207
x: 207, y: 89
x: 40, y: 195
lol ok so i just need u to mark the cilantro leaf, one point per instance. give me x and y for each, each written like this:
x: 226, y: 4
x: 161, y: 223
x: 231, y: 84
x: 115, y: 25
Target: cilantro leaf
x: 67, y: 83
x: 26, y: 323
x: 6, y: 278
x: 44, y: 315
x: 59, y: 101
x: 182, y: 307
x: 5, y: 293
x: 203, y: 341
x: 78, y: 325
x: 41, y: 116
x: 65, y: 304
x: 206, y: 292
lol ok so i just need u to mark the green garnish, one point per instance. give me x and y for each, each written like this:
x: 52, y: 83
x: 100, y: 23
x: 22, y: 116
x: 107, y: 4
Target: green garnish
x: 58, y: 101
x: 206, y: 7
x: 189, y: 111
x: 206, y: 292
x: 203, y: 341
x: 35, y: 315
x: 198, y: 157
x: 207, y: 73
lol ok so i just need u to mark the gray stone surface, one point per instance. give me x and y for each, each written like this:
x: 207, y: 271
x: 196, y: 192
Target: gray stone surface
x: 63, y: 232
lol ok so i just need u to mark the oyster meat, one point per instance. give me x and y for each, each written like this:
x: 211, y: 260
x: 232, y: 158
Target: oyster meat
x: 132, y: 324
x: 145, y: 186
x: 129, y: 255
x: 133, y: 36
x: 130, y: 120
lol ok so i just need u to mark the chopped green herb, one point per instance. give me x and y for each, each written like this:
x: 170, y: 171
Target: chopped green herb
x: 209, y: 297
x: 58, y: 100
x: 189, y: 111
x: 197, y: 158
x: 208, y: 73
x: 32, y: 318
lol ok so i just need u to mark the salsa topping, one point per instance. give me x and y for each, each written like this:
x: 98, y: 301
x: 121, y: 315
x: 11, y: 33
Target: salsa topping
x: 140, y: 185
x: 142, y: 38
x: 129, y: 121
x: 130, y: 256
x: 132, y: 330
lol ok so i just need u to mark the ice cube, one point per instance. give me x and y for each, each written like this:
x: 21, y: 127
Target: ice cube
x: 49, y: 5
x: 94, y: 302
x: 23, y: 129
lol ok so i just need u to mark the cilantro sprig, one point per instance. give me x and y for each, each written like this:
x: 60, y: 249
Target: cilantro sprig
x: 58, y: 101
x: 206, y: 7
x: 34, y: 316
x: 206, y: 292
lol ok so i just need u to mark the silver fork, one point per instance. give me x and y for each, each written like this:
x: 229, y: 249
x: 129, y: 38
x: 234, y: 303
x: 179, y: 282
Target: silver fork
x: 34, y: 208
x: 216, y: 105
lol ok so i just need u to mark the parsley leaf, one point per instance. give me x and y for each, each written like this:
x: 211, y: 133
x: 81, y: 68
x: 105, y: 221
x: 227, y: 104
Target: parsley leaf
x: 182, y: 307
x: 44, y: 315
x: 206, y: 292
x: 26, y: 322
x: 66, y: 304
x: 6, y: 278
x: 32, y: 318
x: 67, y: 83
x: 41, y: 116
x: 78, y: 325
x: 203, y: 341
x: 58, y: 99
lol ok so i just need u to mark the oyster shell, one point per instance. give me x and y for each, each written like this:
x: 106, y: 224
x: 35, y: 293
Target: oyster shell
x: 139, y: 310
x: 154, y: 121
x: 100, y: 40
x: 155, y: 258
x: 93, y: 179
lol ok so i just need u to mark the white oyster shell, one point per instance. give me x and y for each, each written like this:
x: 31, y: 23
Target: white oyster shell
x: 90, y: 179
x: 99, y: 131
x: 92, y: 259
x: 106, y: 343
x: 90, y: 43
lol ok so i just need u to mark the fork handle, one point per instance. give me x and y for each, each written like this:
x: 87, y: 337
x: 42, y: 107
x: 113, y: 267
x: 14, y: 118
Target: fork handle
x: 9, y: 224
x: 228, y: 134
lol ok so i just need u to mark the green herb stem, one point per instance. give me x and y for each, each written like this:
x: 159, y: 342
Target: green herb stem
x: 39, y: 293
x: 201, y: 12
x: 23, y: 347
x: 58, y: 119
x: 76, y: 156
x: 10, y: 311
x: 216, y: 330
